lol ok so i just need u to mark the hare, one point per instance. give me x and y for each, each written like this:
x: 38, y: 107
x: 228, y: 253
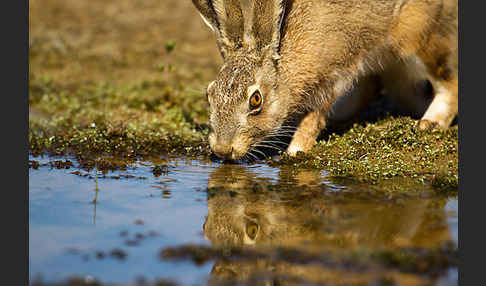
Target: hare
x: 287, y: 60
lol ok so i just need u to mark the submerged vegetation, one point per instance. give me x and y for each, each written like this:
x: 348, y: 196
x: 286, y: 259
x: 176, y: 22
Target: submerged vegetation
x: 424, y: 261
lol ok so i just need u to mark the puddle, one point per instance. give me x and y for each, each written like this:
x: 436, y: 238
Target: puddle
x: 264, y: 224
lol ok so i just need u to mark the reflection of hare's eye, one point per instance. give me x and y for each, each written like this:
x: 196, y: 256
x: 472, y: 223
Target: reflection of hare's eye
x: 256, y: 100
x: 252, y: 230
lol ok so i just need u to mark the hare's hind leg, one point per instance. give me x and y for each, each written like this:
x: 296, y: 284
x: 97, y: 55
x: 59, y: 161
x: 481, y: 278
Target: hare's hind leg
x: 428, y: 30
x: 440, y: 58
x: 444, y: 107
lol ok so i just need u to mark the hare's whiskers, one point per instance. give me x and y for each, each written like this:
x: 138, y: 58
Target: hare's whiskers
x: 256, y: 150
x: 269, y: 146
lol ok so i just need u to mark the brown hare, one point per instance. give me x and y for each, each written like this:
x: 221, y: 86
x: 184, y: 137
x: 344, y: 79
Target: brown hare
x: 288, y: 59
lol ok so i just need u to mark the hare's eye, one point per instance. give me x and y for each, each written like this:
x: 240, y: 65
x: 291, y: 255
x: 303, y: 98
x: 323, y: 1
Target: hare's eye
x: 256, y: 100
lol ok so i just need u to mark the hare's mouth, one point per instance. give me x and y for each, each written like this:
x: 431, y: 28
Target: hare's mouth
x: 231, y: 155
x: 267, y: 146
x: 258, y: 151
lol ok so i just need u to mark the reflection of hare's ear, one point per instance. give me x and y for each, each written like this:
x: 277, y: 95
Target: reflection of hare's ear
x: 225, y: 18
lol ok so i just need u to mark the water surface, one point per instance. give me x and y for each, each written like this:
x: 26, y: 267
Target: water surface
x: 138, y: 214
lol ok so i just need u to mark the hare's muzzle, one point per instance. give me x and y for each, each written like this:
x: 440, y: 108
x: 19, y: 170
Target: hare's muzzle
x: 223, y: 151
x: 228, y: 146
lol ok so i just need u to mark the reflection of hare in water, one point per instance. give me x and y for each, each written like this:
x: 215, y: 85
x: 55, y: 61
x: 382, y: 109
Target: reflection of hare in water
x: 300, y: 212
x: 246, y: 210
x: 254, y: 211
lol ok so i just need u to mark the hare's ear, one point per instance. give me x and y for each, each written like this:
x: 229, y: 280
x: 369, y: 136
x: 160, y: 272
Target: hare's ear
x: 225, y: 18
x: 263, y: 24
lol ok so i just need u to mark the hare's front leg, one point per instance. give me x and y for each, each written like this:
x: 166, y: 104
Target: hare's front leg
x: 307, y: 132
x: 345, y: 105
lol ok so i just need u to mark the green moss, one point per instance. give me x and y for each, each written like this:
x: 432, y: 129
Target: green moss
x: 387, y: 149
x: 150, y: 118
x: 100, y: 119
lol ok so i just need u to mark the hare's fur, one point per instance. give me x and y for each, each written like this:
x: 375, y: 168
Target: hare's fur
x: 303, y: 56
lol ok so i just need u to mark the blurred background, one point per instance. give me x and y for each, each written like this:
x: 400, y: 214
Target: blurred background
x: 137, y: 70
x: 119, y: 41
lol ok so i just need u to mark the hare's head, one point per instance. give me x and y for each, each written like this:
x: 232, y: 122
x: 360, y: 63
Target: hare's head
x: 247, y: 101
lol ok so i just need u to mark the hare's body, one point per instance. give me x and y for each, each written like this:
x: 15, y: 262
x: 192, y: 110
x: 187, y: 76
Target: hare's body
x: 301, y: 56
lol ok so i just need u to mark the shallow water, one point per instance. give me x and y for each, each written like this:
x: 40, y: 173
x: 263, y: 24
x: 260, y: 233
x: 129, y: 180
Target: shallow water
x: 197, y: 202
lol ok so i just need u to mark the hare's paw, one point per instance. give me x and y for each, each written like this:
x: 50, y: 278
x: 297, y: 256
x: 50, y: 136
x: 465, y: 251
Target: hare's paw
x: 425, y: 124
x: 296, y: 147
x: 307, y: 133
x: 303, y: 140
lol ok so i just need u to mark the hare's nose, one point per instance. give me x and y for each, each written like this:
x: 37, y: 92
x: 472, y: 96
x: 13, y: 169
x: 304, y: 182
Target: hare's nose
x: 223, y: 151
